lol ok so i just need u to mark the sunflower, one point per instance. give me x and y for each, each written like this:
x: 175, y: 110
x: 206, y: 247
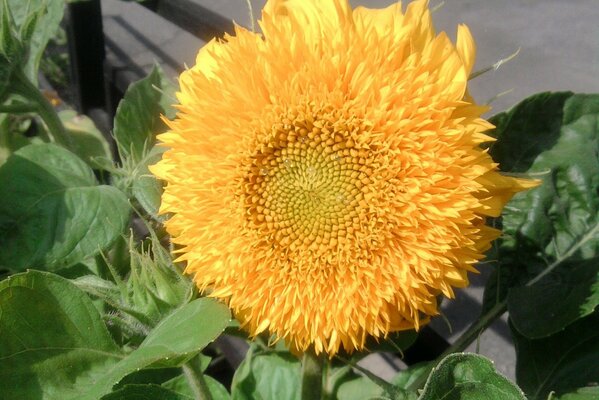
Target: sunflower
x: 325, y: 178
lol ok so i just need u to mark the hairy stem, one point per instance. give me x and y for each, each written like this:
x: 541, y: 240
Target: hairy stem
x: 23, y: 86
x: 312, y: 367
x: 195, y: 379
x: 18, y: 108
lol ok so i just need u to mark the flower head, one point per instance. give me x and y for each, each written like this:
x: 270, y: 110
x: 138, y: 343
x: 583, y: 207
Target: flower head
x: 325, y: 177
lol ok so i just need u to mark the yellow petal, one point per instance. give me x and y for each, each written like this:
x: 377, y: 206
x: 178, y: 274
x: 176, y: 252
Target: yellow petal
x: 466, y: 47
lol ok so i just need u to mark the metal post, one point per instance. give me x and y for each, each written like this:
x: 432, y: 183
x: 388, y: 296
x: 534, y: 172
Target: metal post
x: 86, y: 53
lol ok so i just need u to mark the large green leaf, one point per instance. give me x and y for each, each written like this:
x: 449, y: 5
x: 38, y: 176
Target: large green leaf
x: 266, y: 376
x: 180, y: 385
x: 359, y: 388
x: 343, y: 383
x: 52, y: 212
x: 53, y: 342
x: 552, y: 218
x: 137, y: 117
x: 178, y: 337
x: 554, y: 137
x: 570, y: 293
x: 468, y: 377
x: 88, y: 141
x: 527, y: 130
x: 562, y: 363
x: 586, y: 393
x: 145, y: 392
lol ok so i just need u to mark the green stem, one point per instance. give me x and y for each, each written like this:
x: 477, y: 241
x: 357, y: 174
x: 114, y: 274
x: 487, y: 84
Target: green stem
x: 23, y: 86
x: 482, y: 323
x: 195, y: 378
x: 312, y: 376
x: 18, y: 108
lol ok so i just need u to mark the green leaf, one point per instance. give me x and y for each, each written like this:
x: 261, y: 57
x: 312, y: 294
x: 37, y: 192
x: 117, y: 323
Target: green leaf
x: 150, y: 376
x: 52, y: 212
x: 137, y: 121
x: 37, y: 21
x: 265, y: 376
x: 570, y: 293
x: 145, y: 392
x: 468, y: 376
x: 137, y: 117
x: 27, y: 26
x: 181, y: 335
x: 343, y: 383
x: 527, y: 130
x: 554, y: 137
x: 180, y: 385
x: 146, y: 188
x: 547, y: 221
x: 405, y: 378
x: 359, y: 388
x: 53, y: 342
x: 587, y: 393
x: 11, y: 50
x: 88, y: 141
x: 561, y: 363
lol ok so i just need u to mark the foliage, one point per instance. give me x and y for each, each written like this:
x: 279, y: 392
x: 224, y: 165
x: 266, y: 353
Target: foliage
x: 92, y: 310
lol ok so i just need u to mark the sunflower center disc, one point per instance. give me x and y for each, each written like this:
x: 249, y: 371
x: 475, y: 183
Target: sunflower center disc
x: 306, y: 184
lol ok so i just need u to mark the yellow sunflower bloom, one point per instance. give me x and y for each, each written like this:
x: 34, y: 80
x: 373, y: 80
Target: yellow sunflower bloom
x: 325, y: 177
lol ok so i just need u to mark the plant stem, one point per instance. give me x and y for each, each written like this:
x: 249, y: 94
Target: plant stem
x: 23, y: 86
x: 195, y: 378
x: 482, y: 323
x: 589, y: 235
x: 312, y: 376
x: 18, y: 108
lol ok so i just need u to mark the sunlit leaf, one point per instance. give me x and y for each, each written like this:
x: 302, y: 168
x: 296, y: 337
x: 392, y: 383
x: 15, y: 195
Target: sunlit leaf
x: 52, y: 212
x: 178, y: 337
x: 468, y: 377
x: 53, y: 342
x: 553, y: 137
x: 269, y: 375
x: 137, y: 117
